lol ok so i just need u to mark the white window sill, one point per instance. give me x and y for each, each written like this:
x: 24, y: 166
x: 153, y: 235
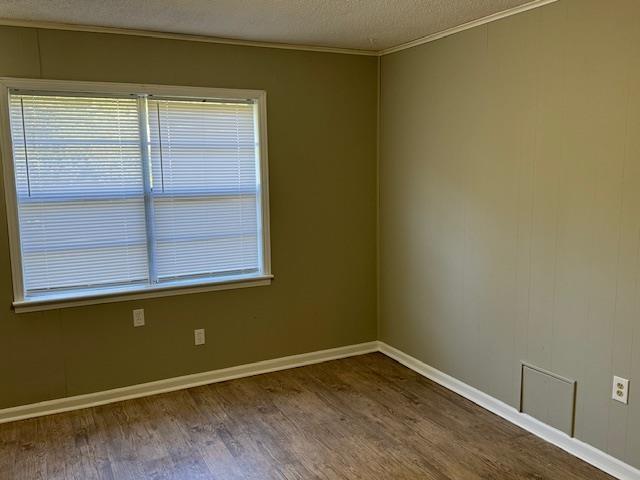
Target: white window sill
x: 77, y: 299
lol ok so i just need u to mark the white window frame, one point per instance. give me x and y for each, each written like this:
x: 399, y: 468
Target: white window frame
x: 22, y: 304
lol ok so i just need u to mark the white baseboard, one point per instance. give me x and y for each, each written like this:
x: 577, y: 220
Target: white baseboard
x: 178, y: 383
x: 589, y: 454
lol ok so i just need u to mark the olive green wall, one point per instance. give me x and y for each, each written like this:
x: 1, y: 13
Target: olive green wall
x: 510, y: 206
x: 322, y: 141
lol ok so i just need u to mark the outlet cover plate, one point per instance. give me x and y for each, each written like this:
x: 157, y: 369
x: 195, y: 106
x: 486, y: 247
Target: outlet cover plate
x: 620, y: 390
x: 138, y: 317
x: 198, y: 336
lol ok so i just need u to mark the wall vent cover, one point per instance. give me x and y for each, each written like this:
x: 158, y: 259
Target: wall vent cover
x: 548, y: 397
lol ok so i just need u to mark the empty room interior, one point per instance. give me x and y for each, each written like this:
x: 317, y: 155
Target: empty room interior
x: 320, y: 239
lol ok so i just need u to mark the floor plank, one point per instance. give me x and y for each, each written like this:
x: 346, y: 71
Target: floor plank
x: 363, y: 417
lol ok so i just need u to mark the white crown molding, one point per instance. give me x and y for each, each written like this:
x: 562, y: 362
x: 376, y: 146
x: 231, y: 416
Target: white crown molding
x: 575, y: 447
x: 179, y: 383
x: 286, y: 46
x: 466, y: 26
x: 180, y: 36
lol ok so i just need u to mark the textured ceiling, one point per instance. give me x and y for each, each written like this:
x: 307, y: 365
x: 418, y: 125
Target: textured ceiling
x: 357, y: 24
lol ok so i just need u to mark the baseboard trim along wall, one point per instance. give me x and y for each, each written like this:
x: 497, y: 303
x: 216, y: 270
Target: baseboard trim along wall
x: 77, y: 402
x: 575, y: 447
x: 589, y: 454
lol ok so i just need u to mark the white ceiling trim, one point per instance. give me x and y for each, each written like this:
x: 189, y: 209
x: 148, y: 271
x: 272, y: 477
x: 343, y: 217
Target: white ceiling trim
x: 466, y: 26
x: 249, y: 43
x: 180, y: 36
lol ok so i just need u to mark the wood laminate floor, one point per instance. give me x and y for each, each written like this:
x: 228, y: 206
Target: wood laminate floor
x: 363, y: 417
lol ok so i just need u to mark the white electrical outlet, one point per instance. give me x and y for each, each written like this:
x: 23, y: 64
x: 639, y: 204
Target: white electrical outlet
x: 620, y: 390
x: 138, y: 317
x: 198, y: 336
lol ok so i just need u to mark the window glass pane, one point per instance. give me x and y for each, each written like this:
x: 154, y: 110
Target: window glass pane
x: 205, y: 188
x: 79, y: 188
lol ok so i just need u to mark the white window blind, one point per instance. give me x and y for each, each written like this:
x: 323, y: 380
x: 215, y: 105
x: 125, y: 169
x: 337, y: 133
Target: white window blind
x: 134, y: 191
x: 79, y: 187
x: 205, y: 187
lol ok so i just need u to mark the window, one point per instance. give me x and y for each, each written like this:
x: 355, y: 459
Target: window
x: 126, y: 189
